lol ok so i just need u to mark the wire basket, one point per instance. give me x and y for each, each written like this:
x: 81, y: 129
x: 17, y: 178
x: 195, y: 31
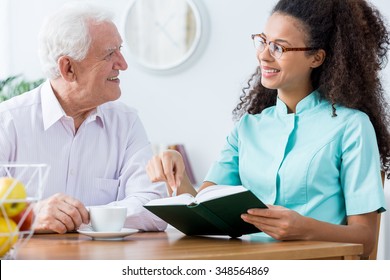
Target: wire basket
x: 15, y: 231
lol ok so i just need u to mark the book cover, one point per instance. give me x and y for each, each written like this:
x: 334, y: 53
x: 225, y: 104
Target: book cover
x: 216, y: 210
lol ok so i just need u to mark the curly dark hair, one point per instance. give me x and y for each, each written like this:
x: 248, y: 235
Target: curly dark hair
x: 356, y: 40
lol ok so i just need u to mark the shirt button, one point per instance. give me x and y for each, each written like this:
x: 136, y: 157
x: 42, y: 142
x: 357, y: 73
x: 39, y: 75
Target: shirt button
x: 71, y: 172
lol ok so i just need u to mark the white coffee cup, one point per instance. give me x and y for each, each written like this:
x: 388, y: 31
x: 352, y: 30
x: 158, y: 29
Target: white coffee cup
x: 107, y: 218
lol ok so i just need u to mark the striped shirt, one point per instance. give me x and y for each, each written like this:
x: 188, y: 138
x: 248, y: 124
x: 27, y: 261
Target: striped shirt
x: 102, y: 163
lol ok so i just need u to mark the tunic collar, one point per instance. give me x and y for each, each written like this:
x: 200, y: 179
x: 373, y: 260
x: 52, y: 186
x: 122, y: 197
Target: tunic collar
x: 306, y: 104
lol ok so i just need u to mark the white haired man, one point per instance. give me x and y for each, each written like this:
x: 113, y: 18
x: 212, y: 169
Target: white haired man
x: 97, y: 148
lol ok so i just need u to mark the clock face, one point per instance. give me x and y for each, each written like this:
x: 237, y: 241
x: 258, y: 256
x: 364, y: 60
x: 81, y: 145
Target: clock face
x: 162, y: 34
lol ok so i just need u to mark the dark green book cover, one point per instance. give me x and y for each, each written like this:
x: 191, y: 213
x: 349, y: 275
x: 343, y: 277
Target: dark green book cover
x: 217, y: 213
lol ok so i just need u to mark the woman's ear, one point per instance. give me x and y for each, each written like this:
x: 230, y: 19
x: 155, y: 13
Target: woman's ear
x: 65, y: 65
x: 318, y: 58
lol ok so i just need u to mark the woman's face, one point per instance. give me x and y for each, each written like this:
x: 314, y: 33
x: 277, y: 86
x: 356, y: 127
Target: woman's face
x: 291, y: 72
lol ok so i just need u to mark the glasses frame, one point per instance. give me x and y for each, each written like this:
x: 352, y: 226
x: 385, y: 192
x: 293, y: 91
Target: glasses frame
x: 284, y: 49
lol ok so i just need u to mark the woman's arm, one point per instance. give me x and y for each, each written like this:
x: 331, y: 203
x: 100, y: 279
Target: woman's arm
x: 168, y: 167
x: 284, y: 224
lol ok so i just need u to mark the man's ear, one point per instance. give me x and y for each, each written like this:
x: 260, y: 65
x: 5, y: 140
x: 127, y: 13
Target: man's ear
x: 318, y: 58
x: 65, y: 65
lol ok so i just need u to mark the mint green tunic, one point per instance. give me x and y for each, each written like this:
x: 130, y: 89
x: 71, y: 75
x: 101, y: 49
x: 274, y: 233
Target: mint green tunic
x: 321, y: 166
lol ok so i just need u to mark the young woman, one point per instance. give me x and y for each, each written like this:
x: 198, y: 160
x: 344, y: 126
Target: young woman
x: 312, y: 136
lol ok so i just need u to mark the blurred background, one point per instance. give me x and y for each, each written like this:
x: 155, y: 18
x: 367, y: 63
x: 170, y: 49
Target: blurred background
x: 187, y: 103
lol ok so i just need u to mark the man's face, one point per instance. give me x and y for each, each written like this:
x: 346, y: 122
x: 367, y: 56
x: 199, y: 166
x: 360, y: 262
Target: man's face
x: 97, y: 79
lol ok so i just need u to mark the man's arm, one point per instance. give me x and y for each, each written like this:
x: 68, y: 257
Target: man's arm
x: 135, y: 187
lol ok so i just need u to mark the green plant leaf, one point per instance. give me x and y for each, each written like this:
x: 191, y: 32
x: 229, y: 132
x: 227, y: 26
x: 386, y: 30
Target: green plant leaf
x: 16, y: 85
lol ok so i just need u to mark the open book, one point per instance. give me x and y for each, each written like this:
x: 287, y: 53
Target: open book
x: 215, y: 210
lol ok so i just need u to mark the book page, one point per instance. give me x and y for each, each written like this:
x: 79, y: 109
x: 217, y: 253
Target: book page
x: 216, y: 191
x: 182, y: 199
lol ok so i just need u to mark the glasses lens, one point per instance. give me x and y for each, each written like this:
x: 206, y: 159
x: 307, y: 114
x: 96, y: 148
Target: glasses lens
x: 259, y: 43
x: 275, y: 50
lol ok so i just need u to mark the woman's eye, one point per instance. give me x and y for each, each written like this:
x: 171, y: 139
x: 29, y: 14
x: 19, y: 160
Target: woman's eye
x: 278, y: 49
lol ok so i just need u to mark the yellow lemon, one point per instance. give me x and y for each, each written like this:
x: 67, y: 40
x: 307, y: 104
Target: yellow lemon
x: 8, y: 235
x: 12, y: 196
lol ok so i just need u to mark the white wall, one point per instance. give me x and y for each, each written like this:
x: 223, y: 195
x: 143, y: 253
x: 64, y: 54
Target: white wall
x: 191, y: 107
x: 194, y: 106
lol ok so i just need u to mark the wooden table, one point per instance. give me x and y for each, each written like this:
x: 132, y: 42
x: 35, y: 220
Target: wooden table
x: 173, y: 245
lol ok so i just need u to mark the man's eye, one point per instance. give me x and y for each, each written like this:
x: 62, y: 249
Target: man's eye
x: 109, y: 56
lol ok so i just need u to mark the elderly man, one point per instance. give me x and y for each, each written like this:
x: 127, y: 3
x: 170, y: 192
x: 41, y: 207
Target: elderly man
x: 97, y: 148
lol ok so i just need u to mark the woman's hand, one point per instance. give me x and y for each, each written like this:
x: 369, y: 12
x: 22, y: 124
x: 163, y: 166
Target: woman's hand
x: 285, y: 224
x: 167, y: 167
x: 278, y: 222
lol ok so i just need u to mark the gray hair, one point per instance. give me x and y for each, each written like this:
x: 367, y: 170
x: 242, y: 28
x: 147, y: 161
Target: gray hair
x: 67, y: 33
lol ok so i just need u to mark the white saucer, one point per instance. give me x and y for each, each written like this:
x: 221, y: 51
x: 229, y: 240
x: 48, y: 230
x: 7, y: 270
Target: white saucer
x: 99, y: 235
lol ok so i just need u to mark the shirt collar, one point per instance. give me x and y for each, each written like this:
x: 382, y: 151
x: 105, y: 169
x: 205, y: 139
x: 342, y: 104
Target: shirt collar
x: 306, y: 104
x: 96, y: 115
x: 53, y: 112
x: 51, y: 108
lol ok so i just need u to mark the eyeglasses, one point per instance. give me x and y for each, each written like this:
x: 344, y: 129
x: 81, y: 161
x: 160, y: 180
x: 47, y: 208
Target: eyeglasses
x: 275, y: 49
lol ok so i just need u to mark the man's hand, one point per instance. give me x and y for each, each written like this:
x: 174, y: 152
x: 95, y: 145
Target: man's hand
x: 60, y: 213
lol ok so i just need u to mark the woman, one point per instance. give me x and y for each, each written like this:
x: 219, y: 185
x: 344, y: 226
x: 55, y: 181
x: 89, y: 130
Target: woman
x: 312, y: 136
